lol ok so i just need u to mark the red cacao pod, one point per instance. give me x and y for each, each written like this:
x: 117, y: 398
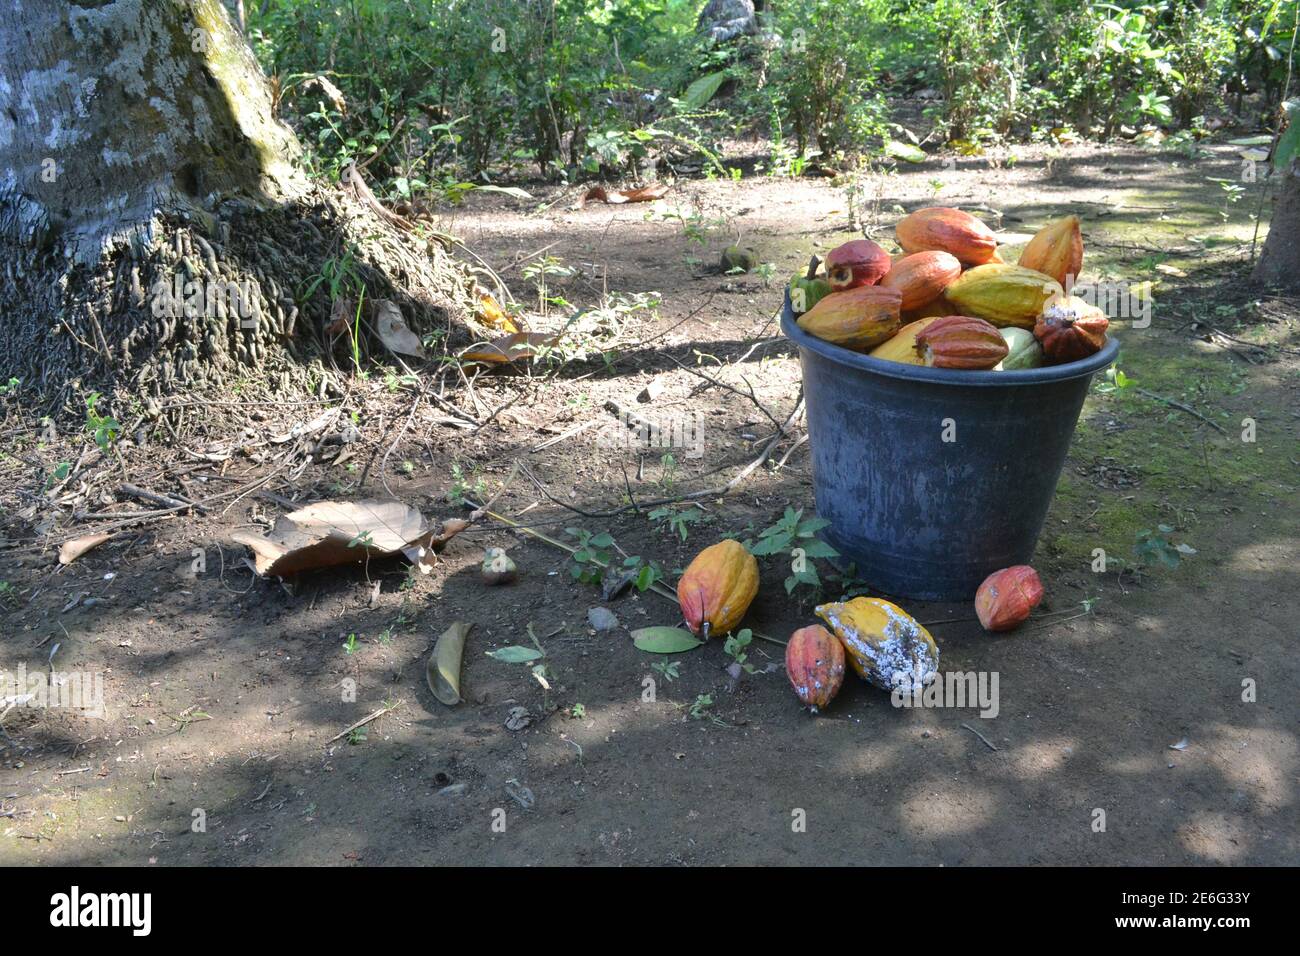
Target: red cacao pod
x: 1006, y: 597
x: 814, y: 661
x: 1070, y: 329
x: 921, y: 277
x: 857, y: 263
x: 959, y: 341
x: 950, y: 230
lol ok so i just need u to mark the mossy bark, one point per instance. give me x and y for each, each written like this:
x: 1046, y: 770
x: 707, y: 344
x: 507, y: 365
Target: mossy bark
x: 140, y: 153
x: 1279, y: 263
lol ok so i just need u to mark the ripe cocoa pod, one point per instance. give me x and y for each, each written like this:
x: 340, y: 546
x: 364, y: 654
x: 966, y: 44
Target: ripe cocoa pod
x: 1023, y: 350
x: 856, y: 318
x: 901, y: 347
x: 1003, y: 294
x: 1056, y: 250
x: 959, y: 341
x: 921, y: 277
x: 1070, y: 329
x: 814, y: 662
x: 948, y: 230
x: 885, y: 644
x: 1006, y: 597
x: 717, y: 588
x: 855, y: 264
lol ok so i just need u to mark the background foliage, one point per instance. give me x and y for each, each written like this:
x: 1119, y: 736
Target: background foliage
x: 439, y: 95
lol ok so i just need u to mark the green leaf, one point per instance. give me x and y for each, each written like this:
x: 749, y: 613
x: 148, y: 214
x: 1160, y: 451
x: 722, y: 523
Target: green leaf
x: 516, y: 654
x: 819, y: 549
x: 1290, y: 141
x: 896, y: 149
x: 665, y: 640
x: 703, y: 90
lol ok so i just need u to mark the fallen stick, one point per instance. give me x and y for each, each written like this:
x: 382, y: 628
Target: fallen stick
x: 1182, y: 408
x: 363, y: 721
x: 167, y: 501
x: 980, y: 736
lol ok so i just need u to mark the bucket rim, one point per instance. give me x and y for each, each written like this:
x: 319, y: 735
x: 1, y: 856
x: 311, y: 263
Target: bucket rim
x: 947, y: 376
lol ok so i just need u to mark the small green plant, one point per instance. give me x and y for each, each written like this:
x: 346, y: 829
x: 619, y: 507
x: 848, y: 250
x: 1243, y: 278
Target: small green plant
x: 350, y: 645
x: 678, y: 520
x: 1154, y: 547
x: 8, y: 595
x: 357, y: 736
x: 592, y: 556
x: 700, y: 708
x: 796, y: 536
x: 11, y: 387
x: 463, y: 486
x: 577, y: 711
x: 668, y: 670
x: 103, y: 428
x: 668, y: 475
x: 735, y: 648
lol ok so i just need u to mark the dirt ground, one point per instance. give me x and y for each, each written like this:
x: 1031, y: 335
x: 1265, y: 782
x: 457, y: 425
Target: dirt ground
x: 223, y: 691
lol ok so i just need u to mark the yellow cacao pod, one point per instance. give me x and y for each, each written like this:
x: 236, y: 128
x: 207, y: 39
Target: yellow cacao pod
x: 717, y: 588
x: 902, y: 347
x: 1056, y: 250
x: 855, y: 318
x: 885, y: 644
x: 1003, y: 294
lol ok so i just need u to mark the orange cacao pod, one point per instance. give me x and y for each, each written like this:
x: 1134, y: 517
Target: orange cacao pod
x: 948, y: 230
x: 855, y: 318
x: 1070, y: 329
x: 959, y: 341
x: 857, y: 263
x: 921, y: 277
x: 1056, y: 250
x: 814, y: 661
x: 1006, y: 597
x: 717, y: 588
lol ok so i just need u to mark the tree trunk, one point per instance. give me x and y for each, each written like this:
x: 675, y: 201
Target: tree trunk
x: 1279, y: 263
x: 155, y: 228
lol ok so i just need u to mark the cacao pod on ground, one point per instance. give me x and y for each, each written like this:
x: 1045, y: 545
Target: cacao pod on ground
x: 885, y: 644
x: 814, y: 661
x: 717, y: 587
x: 1006, y: 597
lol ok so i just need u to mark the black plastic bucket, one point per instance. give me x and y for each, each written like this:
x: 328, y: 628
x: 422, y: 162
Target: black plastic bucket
x: 920, y: 516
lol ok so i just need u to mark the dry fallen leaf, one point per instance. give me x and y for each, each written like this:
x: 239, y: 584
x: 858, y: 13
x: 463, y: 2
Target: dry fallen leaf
x: 393, y: 330
x: 491, y: 314
x: 329, y: 533
x: 509, y: 348
x: 615, y: 196
x: 69, y: 551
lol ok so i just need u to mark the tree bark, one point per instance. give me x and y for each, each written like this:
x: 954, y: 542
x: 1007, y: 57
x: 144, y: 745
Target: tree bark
x: 141, y: 168
x: 1279, y: 263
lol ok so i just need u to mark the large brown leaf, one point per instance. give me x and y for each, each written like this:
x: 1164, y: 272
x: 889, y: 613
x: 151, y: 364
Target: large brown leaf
x: 344, y: 532
x: 614, y: 196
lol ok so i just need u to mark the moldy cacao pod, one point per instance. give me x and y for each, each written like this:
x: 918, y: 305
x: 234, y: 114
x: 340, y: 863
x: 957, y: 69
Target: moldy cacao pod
x: 885, y: 644
x: 1006, y: 597
x: 1070, y: 329
x: 814, y: 661
x: 717, y: 588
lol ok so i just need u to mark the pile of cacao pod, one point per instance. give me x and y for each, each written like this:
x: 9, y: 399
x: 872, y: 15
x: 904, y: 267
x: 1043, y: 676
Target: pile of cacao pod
x: 950, y: 300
